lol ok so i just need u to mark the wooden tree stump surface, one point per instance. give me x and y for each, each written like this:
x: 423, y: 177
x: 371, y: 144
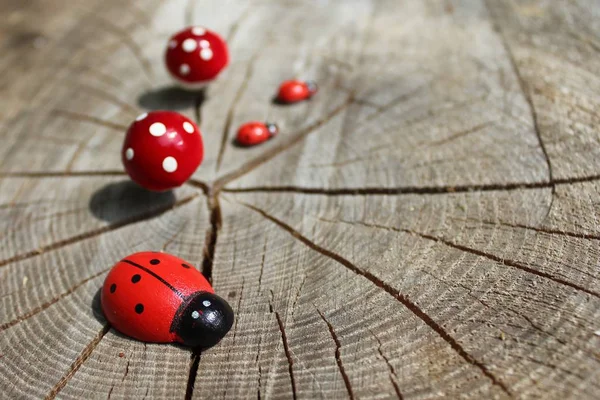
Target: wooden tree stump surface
x: 426, y: 227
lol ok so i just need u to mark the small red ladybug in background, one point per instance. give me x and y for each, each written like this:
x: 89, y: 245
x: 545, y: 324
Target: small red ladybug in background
x: 157, y: 297
x: 294, y: 91
x: 253, y: 133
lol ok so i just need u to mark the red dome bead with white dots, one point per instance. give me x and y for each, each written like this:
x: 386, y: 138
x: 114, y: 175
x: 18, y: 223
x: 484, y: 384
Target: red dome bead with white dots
x: 162, y: 149
x: 195, y: 56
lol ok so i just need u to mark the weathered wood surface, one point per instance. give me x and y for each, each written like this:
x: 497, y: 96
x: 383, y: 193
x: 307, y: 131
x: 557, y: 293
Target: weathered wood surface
x: 426, y: 227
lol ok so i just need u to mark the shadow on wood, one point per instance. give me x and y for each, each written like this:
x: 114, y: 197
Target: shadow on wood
x: 118, y: 201
x: 171, y: 98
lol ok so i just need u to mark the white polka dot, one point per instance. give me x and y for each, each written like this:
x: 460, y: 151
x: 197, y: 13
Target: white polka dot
x: 206, y: 54
x: 158, y: 129
x: 206, y: 303
x: 172, y: 44
x: 189, y: 128
x: 189, y: 45
x: 184, y: 69
x: 195, y: 314
x: 204, y: 43
x: 141, y: 117
x: 198, y: 30
x: 170, y: 164
x: 129, y: 153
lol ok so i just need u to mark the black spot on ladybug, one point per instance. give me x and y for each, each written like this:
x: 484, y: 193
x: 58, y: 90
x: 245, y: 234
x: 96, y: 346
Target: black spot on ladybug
x: 136, y: 278
x: 185, y: 266
x: 139, y: 308
x: 154, y: 261
x: 113, y: 287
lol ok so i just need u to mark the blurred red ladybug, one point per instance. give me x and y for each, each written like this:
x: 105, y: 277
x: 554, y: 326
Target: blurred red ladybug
x: 157, y: 297
x: 253, y: 133
x: 294, y: 91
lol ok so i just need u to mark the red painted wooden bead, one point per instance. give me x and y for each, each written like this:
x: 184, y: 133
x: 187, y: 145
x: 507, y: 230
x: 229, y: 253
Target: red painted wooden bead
x: 295, y: 90
x: 162, y: 149
x: 253, y: 133
x: 195, y: 56
x: 157, y: 297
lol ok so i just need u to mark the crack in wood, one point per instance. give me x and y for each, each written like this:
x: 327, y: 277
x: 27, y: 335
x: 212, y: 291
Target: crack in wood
x: 97, y: 232
x: 460, y: 134
x: 298, y: 294
x: 286, y: 349
x: 492, y: 187
x: 231, y: 111
x: 393, y: 375
x: 381, y: 109
x: 236, y: 25
x: 499, y: 312
x: 258, y: 386
x: 174, y: 236
x: 205, y: 187
x: 338, y: 357
x: 539, y: 328
x: 83, y: 356
x: 129, y: 42
x: 126, y: 371
x: 212, y: 234
x: 214, y: 210
x: 194, y: 363
x: 235, y: 330
x: 540, y: 229
x: 111, y: 98
x: 75, y: 116
x: 402, y: 298
x: 80, y: 147
x: 508, y: 262
x: 469, y: 291
x: 529, y: 100
x: 256, y: 361
x: 262, y: 265
x: 283, y: 145
x: 50, y: 302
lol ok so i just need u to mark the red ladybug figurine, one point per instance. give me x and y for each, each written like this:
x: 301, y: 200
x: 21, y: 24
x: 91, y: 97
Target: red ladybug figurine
x: 294, y: 91
x: 253, y: 133
x: 157, y: 297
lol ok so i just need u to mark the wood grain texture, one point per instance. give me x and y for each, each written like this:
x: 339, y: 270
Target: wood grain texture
x: 425, y: 227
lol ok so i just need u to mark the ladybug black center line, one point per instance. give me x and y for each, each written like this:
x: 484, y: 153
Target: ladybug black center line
x: 159, y: 301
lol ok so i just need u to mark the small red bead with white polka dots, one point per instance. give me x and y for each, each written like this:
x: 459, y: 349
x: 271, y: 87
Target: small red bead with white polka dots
x: 162, y: 149
x: 253, y: 133
x: 195, y: 56
x: 294, y: 91
x: 160, y: 298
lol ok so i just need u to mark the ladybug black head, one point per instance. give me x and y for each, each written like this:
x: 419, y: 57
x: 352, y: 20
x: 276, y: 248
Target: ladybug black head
x: 272, y: 128
x: 312, y: 87
x: 203, y: 320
